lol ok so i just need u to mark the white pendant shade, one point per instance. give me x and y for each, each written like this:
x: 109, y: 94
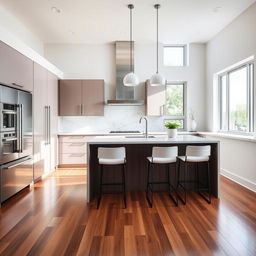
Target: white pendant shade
x: 131, y: 79
x: 157, y: 80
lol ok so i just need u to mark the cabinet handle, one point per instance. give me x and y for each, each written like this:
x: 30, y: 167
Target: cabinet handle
x: 17, y: 85
x: 82, y: 107
x: 49, y: 125
x: 76, y: 155
x: 77, y: 144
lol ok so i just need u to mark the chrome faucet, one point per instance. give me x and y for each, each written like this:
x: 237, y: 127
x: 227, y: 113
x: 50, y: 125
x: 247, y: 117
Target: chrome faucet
x: 146, y: 120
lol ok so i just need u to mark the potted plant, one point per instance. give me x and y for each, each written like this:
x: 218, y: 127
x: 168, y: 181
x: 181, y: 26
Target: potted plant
x: 172, y: 129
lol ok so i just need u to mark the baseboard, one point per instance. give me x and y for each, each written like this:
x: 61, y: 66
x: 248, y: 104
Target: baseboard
x: 238, y: 179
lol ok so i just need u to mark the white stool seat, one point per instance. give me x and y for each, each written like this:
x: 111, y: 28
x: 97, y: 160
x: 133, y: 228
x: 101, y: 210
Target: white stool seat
x: 194, y: 159
x: 107, y: 161
x: 111, y: 156
x: 196, y: 154
x: 162, y: 160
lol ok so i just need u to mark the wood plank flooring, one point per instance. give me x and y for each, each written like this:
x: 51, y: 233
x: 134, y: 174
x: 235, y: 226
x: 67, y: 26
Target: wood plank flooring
x: 53, y: 218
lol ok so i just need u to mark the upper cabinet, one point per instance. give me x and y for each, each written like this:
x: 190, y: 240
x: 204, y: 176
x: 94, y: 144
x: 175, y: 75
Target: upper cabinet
x: 92, y: 97
x: 70, y: 97
x: 16, y: 70
x: 156, y: 99
x: 81, y: 97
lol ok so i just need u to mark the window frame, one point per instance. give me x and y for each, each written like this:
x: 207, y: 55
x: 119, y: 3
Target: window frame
x: 177, y: 117
x: 185, y: 53
x: 249, y: 65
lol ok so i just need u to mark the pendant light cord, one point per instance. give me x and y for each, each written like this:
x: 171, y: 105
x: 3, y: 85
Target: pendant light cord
x: 131, y: 69
x: 157, y: 40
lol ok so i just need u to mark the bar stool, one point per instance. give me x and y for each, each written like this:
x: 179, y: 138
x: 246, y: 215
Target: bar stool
x: 112, y: 156
x: 196, y: 155
x: 163, y: 156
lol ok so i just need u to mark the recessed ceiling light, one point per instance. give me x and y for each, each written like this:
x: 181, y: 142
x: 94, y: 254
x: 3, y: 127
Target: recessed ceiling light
x: 71, y: 32
x: 55, y: 9
x: 217, y: 9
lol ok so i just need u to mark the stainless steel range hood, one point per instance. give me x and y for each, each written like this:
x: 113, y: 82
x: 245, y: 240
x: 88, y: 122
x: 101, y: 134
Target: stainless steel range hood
x: 124, y: 94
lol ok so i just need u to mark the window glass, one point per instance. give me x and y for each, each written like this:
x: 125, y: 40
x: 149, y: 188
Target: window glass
x: 238, y: 100
x: 224, y: 111
x: 174, y: 100
x: 174, y: 55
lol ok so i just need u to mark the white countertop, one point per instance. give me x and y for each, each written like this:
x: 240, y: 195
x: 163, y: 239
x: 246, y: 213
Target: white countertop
x: 115, y: 134
x: 157, y: 140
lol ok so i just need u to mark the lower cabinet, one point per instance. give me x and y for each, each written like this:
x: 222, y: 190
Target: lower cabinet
x: 73, y: 150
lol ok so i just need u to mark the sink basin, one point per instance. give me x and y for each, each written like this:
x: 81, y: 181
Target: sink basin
x: 139, y: 136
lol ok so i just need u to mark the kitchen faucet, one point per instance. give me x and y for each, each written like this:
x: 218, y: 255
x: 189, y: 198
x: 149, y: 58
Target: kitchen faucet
x: 146, y: 120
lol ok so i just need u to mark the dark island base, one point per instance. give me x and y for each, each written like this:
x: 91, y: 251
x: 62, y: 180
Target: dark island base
x: 136, y: 169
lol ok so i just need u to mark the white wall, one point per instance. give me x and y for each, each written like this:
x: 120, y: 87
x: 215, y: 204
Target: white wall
x: 98, y: 61
x: 16, y: 32
x: 17, y: 36
x: 235, y: 43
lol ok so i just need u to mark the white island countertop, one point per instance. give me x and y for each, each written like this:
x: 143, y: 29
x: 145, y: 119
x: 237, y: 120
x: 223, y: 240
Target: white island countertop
x: 132, y: 139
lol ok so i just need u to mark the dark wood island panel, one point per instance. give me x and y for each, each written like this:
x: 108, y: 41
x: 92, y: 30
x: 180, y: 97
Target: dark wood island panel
x: 136, y: 167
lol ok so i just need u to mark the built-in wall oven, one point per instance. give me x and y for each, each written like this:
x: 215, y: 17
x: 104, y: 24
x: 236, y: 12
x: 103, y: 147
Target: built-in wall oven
x: 8, y: 117
x: 16, y: 140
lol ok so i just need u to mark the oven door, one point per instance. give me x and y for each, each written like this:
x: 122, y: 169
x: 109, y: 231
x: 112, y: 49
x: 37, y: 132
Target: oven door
x: 9, y: 117
x: 15, y: 176
x: 8, y: 147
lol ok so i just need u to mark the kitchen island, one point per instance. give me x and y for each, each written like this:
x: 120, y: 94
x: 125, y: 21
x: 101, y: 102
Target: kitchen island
x: 137, y: 151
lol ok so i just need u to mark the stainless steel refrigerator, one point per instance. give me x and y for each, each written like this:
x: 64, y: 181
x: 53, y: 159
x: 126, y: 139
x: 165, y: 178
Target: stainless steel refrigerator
x: 16, y: 141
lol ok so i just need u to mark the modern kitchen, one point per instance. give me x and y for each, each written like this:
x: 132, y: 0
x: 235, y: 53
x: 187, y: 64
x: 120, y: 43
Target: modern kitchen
x: 127, y: 128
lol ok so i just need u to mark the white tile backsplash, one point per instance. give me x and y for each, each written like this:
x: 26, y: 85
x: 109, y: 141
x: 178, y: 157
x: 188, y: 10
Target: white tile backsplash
x: 115, y: 118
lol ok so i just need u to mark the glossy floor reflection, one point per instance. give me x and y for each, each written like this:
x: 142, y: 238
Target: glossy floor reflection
x: 53, y: 218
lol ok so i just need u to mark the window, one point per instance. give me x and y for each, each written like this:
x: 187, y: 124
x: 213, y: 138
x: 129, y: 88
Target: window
x: 175, y: 107
x: 236, y: 99
x: 175, y: 55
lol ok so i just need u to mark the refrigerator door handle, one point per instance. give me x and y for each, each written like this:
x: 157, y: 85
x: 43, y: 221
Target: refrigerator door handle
x: 21, y: 128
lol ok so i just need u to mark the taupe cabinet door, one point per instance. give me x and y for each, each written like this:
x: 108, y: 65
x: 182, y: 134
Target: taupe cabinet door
x: 92, y: 97
x: 156, y: 98
x: 81, y: 97
x: 70, y: 98
x: 16, y: 70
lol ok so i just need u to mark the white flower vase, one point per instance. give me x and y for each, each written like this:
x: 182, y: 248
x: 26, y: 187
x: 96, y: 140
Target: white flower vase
x: 193, y: 125
x: 172, y: 133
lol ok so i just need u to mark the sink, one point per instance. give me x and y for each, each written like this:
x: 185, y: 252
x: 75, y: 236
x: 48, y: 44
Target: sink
x: 139, y: 136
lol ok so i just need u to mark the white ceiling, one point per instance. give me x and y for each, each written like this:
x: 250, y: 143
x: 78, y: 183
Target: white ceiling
x: 101, y: 21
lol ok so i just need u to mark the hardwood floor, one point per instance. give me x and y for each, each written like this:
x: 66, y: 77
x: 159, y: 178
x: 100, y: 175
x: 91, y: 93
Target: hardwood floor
x: 53, y: 218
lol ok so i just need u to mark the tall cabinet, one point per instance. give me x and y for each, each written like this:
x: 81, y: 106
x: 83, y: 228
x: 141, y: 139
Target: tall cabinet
x: 45, y: 121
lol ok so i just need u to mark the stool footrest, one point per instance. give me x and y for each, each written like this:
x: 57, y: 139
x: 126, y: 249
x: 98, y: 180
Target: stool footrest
x: 110, y: 184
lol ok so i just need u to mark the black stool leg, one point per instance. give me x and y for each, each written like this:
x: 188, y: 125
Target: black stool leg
x: 185, y: 180
x: 175, y: 200
x: 183, y: 200
x: 100, y: 192
x: 150, y: 202
x: 197, y: 177
x: 208, y: 200
x: 209, y: 181
x: 124, y: 190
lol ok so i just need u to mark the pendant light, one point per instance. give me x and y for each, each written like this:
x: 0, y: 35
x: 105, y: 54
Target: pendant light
x: 157, y: 79
x: 131, y: 79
